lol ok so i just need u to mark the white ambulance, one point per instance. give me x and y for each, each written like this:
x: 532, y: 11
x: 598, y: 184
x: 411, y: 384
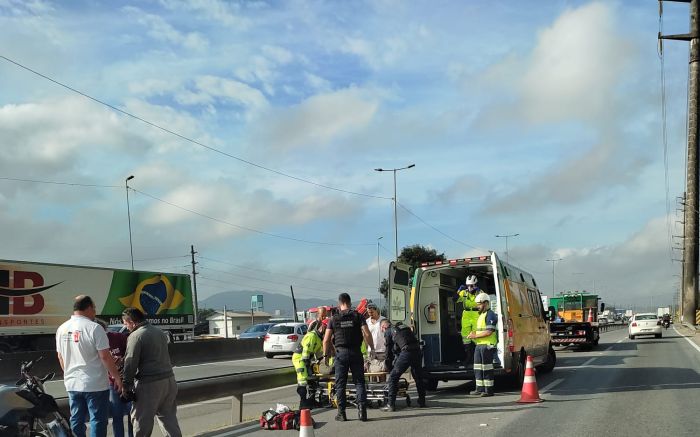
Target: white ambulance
x: 426, y: 300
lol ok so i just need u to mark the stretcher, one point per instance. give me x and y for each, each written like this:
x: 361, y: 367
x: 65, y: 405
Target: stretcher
x: 376, y: 391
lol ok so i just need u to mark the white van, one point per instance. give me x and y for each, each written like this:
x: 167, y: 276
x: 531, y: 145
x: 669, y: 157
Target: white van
x: 427, y: 301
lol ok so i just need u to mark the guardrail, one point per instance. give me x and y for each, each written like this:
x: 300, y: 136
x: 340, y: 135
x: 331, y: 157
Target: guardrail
x: 611, y: 326
x: 235, y: 385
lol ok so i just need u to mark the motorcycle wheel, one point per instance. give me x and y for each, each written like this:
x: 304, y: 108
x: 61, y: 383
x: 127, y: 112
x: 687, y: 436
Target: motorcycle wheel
x: 54, y: 425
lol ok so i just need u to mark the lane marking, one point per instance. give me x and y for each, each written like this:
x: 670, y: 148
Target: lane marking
x: 692, y: 343
x: 551, y: 385
x: 220, y: 362
x: 587, y: 362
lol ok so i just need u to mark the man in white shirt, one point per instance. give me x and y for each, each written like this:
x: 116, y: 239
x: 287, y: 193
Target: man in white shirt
x: 83, y: 352
x: 374, y: 323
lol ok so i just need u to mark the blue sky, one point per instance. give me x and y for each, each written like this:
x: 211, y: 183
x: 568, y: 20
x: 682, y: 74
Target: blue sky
x: 537, y: 118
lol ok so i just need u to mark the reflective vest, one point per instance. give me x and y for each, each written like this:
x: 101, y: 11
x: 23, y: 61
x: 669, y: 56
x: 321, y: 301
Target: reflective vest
x: 310, y: 345
x: 481, y: 326
x: 468, y: 299
x: 347, y: 330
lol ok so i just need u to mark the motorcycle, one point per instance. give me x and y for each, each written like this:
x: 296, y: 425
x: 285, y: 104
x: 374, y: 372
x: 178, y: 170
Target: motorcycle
x: 666, y: 323
x: 26, y: 410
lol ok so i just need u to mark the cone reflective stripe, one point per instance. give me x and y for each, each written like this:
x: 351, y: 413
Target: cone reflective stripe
x: 530, y: 393
x: 590, y: 315
x: 306, y: 425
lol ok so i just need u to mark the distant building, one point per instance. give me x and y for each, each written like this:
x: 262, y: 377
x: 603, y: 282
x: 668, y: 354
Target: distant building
x: 237, y: 321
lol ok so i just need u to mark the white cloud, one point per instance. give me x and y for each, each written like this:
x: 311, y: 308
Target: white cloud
x: 212, y: 89
x: 320, y: 119
x: 226, y: 13
x: 161, y: 30
x: 318, y: 83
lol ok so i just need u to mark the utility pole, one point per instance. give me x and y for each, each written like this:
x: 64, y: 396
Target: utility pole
x: 553, y: 261
x: 225, y: 323
x: 690, y: 229
x: 194, y: 287
x: 294, y: 304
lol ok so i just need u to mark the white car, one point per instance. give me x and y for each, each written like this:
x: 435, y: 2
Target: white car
x: 644, y: 324
x: 283, y: 338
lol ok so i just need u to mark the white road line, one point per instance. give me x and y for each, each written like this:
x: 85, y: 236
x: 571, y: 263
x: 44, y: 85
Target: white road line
x: 587, y: 362
x: 551, y: 385
x: 620, y: 340
x: 697, y: 348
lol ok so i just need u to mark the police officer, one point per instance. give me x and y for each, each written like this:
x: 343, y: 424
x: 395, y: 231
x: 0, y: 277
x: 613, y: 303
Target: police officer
x: 466, y: 294
x: 402, y: 350
x: 310, y: 346
x: 347, y: 329
x: 486, y: 338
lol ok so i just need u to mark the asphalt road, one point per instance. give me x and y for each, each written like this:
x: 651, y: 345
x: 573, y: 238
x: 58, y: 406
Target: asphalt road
x: 624, y: 387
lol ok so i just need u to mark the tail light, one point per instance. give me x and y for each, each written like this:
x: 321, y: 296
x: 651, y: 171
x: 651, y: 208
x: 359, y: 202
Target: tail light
x: 634, y: 324
x: 511, y: 346
x: 293, y: 337
x: 267, y: 337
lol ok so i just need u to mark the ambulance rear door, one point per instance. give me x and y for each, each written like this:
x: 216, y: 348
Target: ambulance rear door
x: 399, y: 293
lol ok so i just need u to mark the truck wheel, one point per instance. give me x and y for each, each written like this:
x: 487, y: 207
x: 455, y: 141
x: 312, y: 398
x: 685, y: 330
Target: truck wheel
x: 657, y: 335
x: 631, y: 337
x: 431, y: 384
x: 548, y: 366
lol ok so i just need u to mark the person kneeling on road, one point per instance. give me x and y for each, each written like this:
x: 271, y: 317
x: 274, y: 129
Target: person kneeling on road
x: 403, y: 351
x: 311, y: 345
x: 485, y: 338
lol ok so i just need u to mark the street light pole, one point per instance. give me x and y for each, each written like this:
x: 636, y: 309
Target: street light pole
x: 379, y: 276
x: 553, y: 261
x: 128, y: 214
x: 506, y: 237
x: 396, y: 226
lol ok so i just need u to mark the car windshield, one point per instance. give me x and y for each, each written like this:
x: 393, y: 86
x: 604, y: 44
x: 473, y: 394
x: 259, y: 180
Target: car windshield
x: 281, y: 329
x: 646, y: 317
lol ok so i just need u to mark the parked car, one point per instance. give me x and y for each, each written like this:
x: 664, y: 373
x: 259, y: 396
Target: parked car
x: 644, y: 324
x: 602, y: 321
x: 283, y: 339
x: 256, y: 331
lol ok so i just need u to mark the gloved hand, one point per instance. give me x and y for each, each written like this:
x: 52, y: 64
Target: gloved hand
x: 461, y: 288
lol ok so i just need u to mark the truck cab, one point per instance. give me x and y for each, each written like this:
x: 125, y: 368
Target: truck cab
x: 426, y: 300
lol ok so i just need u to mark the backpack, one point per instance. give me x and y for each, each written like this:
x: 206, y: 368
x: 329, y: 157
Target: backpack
x: 272, y: 420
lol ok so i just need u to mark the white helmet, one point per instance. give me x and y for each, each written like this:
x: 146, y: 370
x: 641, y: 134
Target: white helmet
x: 482, y: 297
x: 471, y: 280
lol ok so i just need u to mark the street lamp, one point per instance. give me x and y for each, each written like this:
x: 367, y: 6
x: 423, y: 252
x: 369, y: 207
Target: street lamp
x: 128, y: 214
x: 506, y: 237
x: 396, y: 228
x: 379, y: 275
x: 553, y: 261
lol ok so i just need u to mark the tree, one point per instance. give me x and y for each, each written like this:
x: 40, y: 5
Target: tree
x: 203, y: 313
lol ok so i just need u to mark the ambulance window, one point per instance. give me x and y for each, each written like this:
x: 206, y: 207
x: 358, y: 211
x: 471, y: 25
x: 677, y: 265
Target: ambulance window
x: 400, y: 277
x: 533, y: 282
x: 535, y: 302
x: 522, y: 278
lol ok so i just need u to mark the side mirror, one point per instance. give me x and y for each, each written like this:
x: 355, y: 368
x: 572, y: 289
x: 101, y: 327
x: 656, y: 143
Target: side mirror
x: 602, y: 307
x: 552, y: 313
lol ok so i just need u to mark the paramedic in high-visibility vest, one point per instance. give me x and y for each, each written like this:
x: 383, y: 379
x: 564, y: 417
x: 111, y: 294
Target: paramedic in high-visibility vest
x: 311, y: 346
x: 485, y: 337
x: 466, y: 294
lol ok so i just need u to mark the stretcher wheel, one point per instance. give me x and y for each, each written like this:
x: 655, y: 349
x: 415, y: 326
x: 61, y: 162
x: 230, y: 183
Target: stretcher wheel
x: 408, y: 401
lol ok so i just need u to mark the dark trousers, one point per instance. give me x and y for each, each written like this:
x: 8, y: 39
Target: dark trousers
x: 483, y: 367
x: 406, y: 359
x: 348, y: 360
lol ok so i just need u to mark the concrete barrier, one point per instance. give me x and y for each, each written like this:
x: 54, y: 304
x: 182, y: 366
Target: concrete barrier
x: 181, y: 354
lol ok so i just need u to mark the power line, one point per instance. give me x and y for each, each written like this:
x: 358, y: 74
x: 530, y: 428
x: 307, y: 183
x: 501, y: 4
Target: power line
x: 72, y: 184
x: 438, y: 230
x: 277, y: 273
x: 188, y: 139
x: 245, y: 228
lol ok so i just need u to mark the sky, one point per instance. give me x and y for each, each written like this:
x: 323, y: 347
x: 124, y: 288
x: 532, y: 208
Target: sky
x: 253, y: 128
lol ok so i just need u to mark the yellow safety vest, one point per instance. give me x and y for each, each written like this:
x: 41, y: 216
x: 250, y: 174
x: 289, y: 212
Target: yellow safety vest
x: 468, y: 299
x: 480, y: 327
x: 311, y: 344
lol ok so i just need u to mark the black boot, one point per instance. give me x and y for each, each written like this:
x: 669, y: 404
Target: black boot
x: 421, y: 401
x: 340, y: 417
x: 301, y: 391
x: 362, y: 412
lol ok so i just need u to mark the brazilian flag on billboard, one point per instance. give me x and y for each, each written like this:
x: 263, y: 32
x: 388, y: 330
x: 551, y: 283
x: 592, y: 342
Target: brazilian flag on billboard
x: 162, y: 297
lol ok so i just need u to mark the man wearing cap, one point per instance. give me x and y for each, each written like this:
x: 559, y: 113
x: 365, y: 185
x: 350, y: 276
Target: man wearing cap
x: 309, y: 347
x: 485, y: 337
x: 346, y: 330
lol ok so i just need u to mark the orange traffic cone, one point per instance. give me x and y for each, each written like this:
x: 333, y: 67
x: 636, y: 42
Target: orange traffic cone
x: 590, y: 315
x: 306, y: 424
x: 530, y: 393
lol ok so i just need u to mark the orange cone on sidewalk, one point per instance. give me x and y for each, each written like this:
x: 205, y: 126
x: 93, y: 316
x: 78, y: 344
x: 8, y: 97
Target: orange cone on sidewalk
x: 306, y: 424
x: 530, y: 394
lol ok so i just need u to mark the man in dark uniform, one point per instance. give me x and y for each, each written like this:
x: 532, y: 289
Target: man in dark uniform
x: 402, y: 351
x: 347, y: 329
